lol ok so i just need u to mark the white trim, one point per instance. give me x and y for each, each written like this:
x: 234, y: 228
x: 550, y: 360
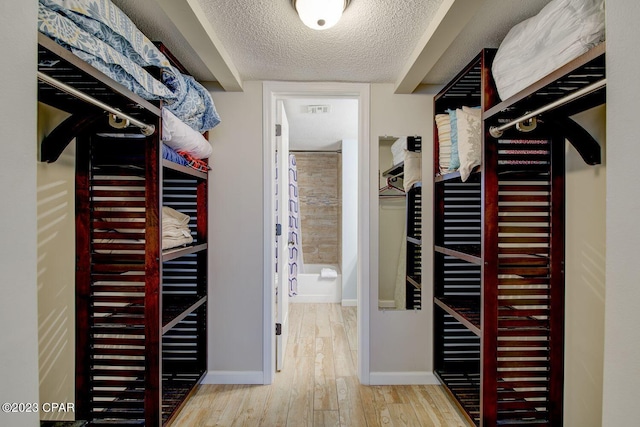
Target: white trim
x: 386, y: 303
x: 403, y: 378
x: 360, y: 91
x: 315, y: 299
x: 234, y: 377
x: 349, y: 302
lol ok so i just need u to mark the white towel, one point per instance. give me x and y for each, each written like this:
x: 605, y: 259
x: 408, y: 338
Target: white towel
x: 328, y: 273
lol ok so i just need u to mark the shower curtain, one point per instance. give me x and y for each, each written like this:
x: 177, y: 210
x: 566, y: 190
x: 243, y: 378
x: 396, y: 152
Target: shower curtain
x: 295, y: 233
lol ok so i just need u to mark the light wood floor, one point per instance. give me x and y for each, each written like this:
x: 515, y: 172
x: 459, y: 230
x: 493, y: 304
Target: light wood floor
x: 319, y: 386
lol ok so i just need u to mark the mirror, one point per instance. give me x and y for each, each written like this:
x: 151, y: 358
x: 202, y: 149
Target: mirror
x: 398, y: 207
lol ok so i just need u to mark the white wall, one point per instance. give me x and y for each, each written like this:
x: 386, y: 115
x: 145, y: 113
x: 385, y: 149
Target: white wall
x: 349, y: 221
x: 622, y: 314
x: 236, y: 238
x: 18, y: 313
x: 400, y: 341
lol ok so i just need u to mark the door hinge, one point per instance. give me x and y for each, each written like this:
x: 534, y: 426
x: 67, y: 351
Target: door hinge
x: 278, y: 229
x: 278, y: 130
x: 278, y: 328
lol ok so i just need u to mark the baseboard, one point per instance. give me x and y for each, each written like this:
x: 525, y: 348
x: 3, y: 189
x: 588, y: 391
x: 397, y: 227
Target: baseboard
x: 403, y: 378
x: 386, y: 303
x: 234, y: 377
x: 349, y: 302
x: 313, y: 299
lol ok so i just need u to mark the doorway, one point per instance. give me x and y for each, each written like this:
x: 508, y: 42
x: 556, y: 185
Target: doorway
x: 275, y: 94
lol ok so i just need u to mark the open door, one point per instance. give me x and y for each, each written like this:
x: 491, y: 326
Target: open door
x: 282, y: 234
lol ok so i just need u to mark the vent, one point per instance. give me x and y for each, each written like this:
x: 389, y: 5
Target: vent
x: 318, y: 109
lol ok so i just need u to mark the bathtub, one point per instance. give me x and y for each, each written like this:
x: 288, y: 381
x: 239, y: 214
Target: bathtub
x: 313, y: 288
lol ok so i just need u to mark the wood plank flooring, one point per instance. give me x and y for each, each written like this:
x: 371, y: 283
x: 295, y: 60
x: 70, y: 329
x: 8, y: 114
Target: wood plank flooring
x: 319, y: 387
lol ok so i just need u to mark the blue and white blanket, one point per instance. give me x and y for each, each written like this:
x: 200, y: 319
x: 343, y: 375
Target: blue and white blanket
x: 101, y: 34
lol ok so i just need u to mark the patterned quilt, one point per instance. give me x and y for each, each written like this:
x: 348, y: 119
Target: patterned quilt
x: 101, y: 34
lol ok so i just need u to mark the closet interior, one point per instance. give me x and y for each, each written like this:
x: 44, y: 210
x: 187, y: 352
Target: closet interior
x: 141, y: 283
x: 499, y: 237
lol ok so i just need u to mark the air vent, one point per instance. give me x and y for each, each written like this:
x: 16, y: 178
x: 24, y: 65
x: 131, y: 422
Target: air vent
x: 318, y: 109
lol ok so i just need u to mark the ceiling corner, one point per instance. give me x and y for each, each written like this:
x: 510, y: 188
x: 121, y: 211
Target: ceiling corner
x: 190, y: 20
x: 448, y: 22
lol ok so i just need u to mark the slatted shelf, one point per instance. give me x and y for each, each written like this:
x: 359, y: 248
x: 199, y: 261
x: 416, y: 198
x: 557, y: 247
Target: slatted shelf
x: 499, y: 256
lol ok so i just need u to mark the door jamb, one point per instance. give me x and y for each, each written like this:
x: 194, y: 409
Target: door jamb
x: 277, y: 90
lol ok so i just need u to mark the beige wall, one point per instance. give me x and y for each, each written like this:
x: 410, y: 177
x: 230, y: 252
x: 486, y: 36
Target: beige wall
x: 320, y: 206
x: 56, y: 271
x: 585, y: 279
x: 236, y: 235
x: 400, y: 340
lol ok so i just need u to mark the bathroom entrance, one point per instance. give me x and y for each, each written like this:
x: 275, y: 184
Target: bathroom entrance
x: 317, y: 182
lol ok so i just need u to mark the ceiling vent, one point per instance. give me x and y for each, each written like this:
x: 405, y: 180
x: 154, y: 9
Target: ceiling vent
x: 318, y: 109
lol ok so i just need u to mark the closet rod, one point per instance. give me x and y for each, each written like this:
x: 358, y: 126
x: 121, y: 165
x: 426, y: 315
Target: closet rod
x: 497, y: 131
x: 144, y: 128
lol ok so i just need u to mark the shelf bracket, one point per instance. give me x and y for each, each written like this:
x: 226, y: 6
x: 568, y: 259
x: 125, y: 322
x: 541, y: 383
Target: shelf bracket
x: 54, y: 144
x: 588, y: 148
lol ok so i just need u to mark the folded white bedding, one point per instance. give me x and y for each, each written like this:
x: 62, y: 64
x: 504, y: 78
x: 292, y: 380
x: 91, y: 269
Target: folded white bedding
x: 560, y: 32
x: 398, y: 149
x: 181, y: 137
x: 175, y: 228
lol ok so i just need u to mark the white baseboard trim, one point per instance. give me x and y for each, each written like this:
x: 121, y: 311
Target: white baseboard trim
x: 386, y: 303
x: 349, y: 302
x: 403, y: 378
x: 234, y: 377
x: 313, y: 299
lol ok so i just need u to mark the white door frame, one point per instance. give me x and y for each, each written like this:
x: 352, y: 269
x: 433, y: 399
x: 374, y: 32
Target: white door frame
x: 280, y: 90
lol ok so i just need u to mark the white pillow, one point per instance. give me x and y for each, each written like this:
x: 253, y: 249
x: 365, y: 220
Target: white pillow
x: 469, y: 139
x: 412, y: 169
x: 181, y: 137
x: 560, y: 32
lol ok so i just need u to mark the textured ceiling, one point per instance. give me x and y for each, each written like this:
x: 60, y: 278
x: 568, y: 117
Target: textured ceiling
x: 267, y: 41
x: 486, y: 29
x: 373, y: 42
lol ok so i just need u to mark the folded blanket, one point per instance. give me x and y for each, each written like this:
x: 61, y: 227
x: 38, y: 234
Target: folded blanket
x: 101, y: 34
x: 175, y: 228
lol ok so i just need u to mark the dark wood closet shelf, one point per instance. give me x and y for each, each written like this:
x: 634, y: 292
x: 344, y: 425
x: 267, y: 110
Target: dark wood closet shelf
x: 498, y: 273
x: 455, y: 176
x: 414, y: 241
x: 173, y: 253
x: 470, y: 253
x: 175, y: 309
x: 414, y: 281
x: 183, y: 169
x: 578, y: 73
x: 464, y: 310
x: 59, y: 63
x: 175, y: 391
x: 465, y: 390
x: 394, y: 171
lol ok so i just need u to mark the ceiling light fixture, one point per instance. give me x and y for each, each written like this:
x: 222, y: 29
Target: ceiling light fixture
x: 320, y: 14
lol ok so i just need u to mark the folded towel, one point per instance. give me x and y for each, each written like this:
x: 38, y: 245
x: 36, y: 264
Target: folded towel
x: 328, y: 273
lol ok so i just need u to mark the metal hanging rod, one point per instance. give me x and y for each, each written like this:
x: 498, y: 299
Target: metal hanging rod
x: 497, y: 131
x: 126, y: 119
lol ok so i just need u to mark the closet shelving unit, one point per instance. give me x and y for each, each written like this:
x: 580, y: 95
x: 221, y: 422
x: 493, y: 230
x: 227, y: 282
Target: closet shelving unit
x: 414, y: 230
x: 499, y: 246
x: 140, y: 310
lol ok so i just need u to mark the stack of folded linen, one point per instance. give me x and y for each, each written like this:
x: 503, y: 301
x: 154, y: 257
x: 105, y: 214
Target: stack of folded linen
x: 398, y: 150
x: 175, y: 228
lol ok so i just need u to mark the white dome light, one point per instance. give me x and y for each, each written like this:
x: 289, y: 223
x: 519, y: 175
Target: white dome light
x: 320, y: 14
